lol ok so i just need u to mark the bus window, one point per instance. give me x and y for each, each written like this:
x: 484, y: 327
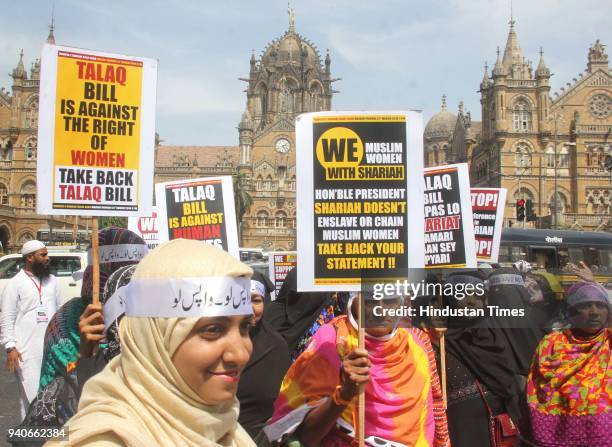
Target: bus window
x: 569, y: 255
x: 605, y: 261
x: 543, y: 257
x: 510, y: 254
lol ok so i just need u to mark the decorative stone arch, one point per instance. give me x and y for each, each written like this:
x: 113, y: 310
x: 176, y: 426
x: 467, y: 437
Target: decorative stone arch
x: 564, y: 200
x: 261, y: 103
x: 30, y: 147
x: 522, y: 97
x: 527, y: 192
x: 523, y: 109
x: 262, y: 217
x: 5, y: 236
x: 259, y: 183
x: 4, y: 191
x: 315, y: 96
x: 280, y: 219
x: 435, y: 151
x: 523, y: 151
x: 287, y: 88
x: 598, y: 201
x: 27, y: 191
x: 30, y: 111
x: 25, y: 235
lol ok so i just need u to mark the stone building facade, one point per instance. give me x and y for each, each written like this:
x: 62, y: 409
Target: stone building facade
x: 289, y: 78
x: 534, y: 144
x: 18, y: 150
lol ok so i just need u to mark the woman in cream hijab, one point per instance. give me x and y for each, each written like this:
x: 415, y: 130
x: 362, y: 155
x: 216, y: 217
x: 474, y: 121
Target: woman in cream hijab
x: 175, y: 382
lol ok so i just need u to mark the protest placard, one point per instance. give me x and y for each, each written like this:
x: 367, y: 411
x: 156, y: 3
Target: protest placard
x: 359, y: 195
x: 147, y: 227
x: 279, y: 264
x: 488, y: 206
x: 96, y: 133
x: 201, y: 209
x: 449, y: 228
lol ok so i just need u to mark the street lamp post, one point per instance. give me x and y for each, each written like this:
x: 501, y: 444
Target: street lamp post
x: 555, y: 205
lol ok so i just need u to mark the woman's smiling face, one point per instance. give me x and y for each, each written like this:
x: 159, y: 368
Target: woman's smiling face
x: 213, y: 355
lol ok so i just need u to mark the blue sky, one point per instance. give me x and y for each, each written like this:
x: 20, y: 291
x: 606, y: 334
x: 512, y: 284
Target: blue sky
x: 390, y: 54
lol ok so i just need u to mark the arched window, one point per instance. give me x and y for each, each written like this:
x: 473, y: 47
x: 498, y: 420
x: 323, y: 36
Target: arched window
x: 260, y: 183
x: 550, y: 157
x: 6, y: 151
x: 436, y: 158
x: 562, y: 202
x: 30, y: 112
x: 292, y: 183
x: 3, y: 194
x: 522, y: 157
x: 286, y: 96
x: 563, y: 158
x: 316, y: 98
x: 268, y: 183
x: 262, y: 219
x: 28, y: 195
x: 261, y: 105
x: 30, y: 149
x: 523, y: 193
x: 280, y: 219
x: 25, y: 237
x: 521, y: 115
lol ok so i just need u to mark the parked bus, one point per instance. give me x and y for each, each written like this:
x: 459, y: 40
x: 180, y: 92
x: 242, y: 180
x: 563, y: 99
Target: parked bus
x: 553, y: 250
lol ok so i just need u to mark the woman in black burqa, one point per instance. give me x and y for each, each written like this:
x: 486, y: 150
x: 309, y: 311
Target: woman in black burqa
x: 262, y: 377
x: 297, y: 316
x: 477, y: 356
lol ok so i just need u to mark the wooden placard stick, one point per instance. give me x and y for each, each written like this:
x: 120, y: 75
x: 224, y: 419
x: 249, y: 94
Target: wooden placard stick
x: 361, y: 402
x: 443, y: 368
x: 95, y: 259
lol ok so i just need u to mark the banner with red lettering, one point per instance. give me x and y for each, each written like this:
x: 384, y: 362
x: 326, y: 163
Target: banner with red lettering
x: 96, y: 133
x: 449, y: 228
x: 280, y: 262
x: 201, y: 209
x: 488, y: 206
x: 147, y: 227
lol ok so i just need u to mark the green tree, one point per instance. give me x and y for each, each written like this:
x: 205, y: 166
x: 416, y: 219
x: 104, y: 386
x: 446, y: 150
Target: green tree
x: 112, y: 221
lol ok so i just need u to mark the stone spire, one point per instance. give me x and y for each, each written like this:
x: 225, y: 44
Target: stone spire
x: 246, y: 123
x: 486, y: 81
x: 513, y: 55
x: 443, y: 106
x: 291, y: 13
x: 51, y: 37
x: 19, y: 72
x: 498, y: 68
x: 542, y: 71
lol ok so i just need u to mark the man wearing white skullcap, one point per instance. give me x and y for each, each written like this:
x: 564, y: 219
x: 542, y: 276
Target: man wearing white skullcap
x: 29, y: 301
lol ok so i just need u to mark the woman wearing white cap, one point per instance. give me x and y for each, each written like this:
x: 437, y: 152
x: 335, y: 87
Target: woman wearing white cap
x: 30, y: 299
x: 184, y: 342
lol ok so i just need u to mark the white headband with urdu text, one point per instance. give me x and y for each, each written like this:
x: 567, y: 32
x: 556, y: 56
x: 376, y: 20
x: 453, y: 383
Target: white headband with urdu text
x: 212, y: 296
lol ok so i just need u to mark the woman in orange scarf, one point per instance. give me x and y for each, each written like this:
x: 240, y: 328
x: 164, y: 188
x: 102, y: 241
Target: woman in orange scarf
x: 403, y: 404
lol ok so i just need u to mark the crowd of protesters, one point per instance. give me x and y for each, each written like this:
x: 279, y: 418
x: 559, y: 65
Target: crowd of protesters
x: 288, y: 371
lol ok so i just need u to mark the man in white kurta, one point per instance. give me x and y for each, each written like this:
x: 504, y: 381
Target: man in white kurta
x: 29, y: 301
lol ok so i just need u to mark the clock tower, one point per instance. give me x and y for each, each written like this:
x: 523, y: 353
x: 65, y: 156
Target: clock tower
x: 288, y: 79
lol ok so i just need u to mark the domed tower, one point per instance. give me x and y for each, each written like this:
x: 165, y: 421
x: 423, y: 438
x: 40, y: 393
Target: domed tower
x: 436, y: 136
x: 288, y: 79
